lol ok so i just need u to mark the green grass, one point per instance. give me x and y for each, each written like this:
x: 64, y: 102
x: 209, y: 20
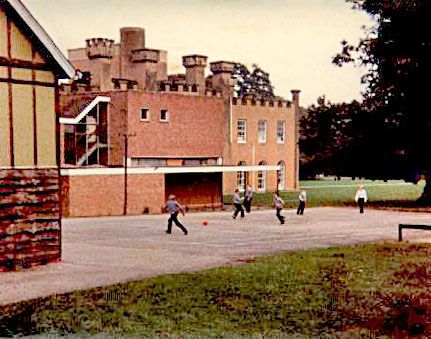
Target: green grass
x: 349, y: 292
x: 342, y: 193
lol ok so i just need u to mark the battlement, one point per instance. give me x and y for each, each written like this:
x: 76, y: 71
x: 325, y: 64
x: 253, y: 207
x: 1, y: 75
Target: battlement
x: 179, y: 89
x: 67, y: 88
x: 99, y: 48
x: 222, y: 67
x: 119, y: 84
x: 145, y: 55
x: 194, y: 60
x: 261, y: 102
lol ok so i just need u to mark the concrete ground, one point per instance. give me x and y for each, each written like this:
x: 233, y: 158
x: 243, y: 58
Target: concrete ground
x: 109, y: 250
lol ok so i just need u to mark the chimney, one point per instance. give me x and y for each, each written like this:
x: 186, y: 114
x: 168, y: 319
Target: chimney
x: 222, y: 78
x: 195, y: 71
x: 295, y: 97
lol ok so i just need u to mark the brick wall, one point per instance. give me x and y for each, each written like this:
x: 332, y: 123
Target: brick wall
x: 195, y: 126
x: 29, y: 218
x: 103, y: 195
x: 252, y: 152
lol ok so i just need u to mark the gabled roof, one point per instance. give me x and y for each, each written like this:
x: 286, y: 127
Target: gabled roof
x: 64, y: 65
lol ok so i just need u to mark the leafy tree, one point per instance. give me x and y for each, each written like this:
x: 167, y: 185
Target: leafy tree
x: 330, y: 136
x: 255, y: 83
x: 397, y: 53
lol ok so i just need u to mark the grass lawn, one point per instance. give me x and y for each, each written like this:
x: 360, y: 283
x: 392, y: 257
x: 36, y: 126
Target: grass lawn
x: 364, y: 291
x: 342, y: 193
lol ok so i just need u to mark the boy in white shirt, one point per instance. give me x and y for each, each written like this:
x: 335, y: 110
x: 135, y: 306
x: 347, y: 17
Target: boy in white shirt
x: 361, y: 198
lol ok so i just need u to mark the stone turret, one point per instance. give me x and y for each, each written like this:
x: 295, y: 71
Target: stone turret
x: 195, y: 71
x: 132, y: 39
x: 99, y: 48
x: 222, y: 76
x: 295, y: 97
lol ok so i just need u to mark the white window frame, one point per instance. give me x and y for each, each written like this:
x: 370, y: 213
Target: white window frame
x: 281, y: 175
x: 241, y: 133
x: 261, y: 179
x: 281, y: 134
x: 148, y: 114
x: 167, y: 115
x: 241, y: 177
x: 261, y: 131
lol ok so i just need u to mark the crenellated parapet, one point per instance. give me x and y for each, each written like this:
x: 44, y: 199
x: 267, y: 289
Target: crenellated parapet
x: 222, y: 67
x: 261, y: 102
x: 145, y: 55
x: 99, y: 48
x: 194, y: 60
x: 214, y: 93
x: 74, y: 87
x: 119, y: 84
x: 179, y: 89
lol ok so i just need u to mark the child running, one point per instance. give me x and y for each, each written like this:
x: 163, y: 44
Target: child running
x: 278, y: 204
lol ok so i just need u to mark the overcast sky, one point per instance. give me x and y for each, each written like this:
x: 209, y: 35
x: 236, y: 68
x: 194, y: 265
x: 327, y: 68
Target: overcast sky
x: 292, y: 40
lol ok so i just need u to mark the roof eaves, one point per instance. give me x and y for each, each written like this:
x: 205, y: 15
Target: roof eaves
x: 44, y: 38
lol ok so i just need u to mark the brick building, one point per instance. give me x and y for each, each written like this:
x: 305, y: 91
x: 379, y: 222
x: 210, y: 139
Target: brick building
x: 30, y: 66
x: 184, y: 131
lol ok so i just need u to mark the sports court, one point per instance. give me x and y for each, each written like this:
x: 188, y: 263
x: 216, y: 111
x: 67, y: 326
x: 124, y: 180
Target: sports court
x: 103, y: 251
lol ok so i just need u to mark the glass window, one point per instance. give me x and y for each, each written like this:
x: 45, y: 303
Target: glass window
x: 164, y: 115
x: 192, y: 162
x: 241, y: 131
x: 281, y: 128
x: 262, y: 131
x: 261, y: 178
x: 148, y: 162
x: 145, y: 114
x: 281, y: 175
x: 240, y: 177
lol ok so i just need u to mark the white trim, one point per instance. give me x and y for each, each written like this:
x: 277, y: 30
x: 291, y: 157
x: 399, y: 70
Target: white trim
x: 167, y: 115
x: 284, y: 132
x: 176, y: 157
x: 261, y: 138
x: 44, y: 38
x: 73, y: 121
x: 230, y: 120
x: 164, y: 170
x: 148, y: 115
x: 241, y: 140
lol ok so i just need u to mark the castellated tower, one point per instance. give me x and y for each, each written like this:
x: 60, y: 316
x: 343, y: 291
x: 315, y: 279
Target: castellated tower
x: 195, y: 71
x: 132, y: 39
x: 222, y: 76
x: 128, y: 63
x: 100, y: 51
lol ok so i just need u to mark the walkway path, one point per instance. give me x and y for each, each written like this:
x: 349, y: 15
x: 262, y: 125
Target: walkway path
x: 103, y: 251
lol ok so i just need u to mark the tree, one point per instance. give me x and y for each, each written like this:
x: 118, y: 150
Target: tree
x: 256, y: 83
x: 397, y: 51
x: 330, y: 139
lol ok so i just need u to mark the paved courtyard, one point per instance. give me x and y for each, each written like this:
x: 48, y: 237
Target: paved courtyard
x: 108, y: 250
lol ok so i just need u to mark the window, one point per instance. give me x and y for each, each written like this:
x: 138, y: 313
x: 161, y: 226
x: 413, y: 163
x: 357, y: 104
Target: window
x: 149, y: 162
x: 200, y: 162
x: 281, y: 128
x: 241, y: 177
x: 241, y: 131
x: 280, y: 175
x: 164, y: 115
x: 145, y: 114
x: 262, y: 131
x: 261, y: 178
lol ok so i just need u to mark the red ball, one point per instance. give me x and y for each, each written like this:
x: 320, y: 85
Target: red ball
x: 204, y: 222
